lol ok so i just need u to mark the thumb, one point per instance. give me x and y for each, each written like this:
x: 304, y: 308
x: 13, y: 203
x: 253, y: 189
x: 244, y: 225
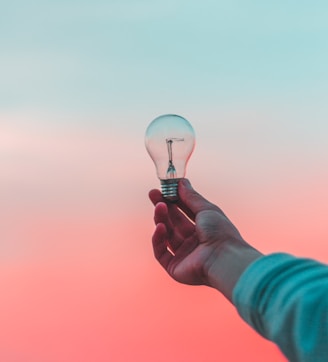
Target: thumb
x: 192, y: 199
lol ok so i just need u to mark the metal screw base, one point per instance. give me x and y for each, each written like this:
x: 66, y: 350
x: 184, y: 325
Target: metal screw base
x: 170, y: 189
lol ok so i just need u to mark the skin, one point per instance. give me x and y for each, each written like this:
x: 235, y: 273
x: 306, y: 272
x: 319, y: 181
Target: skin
x: 196, y: 243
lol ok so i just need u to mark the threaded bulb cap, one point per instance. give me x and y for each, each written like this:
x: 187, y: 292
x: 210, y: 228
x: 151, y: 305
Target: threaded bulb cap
x: 170, y: 189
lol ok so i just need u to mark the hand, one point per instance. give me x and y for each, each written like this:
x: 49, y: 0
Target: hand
x: 190, y: 236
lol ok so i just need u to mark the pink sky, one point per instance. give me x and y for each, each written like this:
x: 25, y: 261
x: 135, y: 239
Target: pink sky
x: 78, y: 276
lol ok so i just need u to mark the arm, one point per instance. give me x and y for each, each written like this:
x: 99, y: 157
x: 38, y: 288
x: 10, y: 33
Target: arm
x: 283, y: 298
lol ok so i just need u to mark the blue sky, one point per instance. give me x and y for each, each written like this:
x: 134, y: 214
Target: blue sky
x: 143, y: 58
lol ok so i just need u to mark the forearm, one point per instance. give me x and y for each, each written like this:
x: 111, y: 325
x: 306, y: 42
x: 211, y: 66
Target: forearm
x: 229, y: 261
x: 285, y: 300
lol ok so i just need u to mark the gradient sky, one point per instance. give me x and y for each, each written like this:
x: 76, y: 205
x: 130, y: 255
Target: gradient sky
x: 79, y: 83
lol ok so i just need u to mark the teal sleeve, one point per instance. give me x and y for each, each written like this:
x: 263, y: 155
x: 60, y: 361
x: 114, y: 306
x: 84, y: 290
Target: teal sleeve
x: 285, y: 299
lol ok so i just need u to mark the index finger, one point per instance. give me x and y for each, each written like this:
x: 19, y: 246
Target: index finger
x: 156, y: 196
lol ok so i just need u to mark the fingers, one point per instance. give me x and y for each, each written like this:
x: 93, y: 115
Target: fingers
x: 191, y: 202
x: 160, y: 245
x: 161, y: 214
x: 178, y: 227
x: 156, y: 197
x: 169, y: 214
x: 174, y: 236
x: 183, y: 224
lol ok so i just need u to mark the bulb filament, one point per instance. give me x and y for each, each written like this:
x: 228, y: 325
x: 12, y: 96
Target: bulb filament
x: 171, y: 171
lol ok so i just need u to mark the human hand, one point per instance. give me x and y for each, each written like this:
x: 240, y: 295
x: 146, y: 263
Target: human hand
x: 190, y: 236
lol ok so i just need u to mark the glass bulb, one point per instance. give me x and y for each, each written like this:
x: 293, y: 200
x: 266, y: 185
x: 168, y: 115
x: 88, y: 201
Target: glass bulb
x: 170, y: 140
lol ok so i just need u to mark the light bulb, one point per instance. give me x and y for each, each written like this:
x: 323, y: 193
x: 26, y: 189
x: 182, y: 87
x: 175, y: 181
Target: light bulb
x: 170, y: 140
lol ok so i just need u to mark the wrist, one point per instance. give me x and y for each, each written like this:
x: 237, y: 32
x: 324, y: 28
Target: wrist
x: 228, y: 262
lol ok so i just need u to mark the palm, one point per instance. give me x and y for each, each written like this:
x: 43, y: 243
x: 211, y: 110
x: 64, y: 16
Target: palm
x: 188, y: 265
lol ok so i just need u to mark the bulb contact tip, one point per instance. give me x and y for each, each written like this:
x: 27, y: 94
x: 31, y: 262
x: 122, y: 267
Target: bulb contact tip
x: 170, y: 189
